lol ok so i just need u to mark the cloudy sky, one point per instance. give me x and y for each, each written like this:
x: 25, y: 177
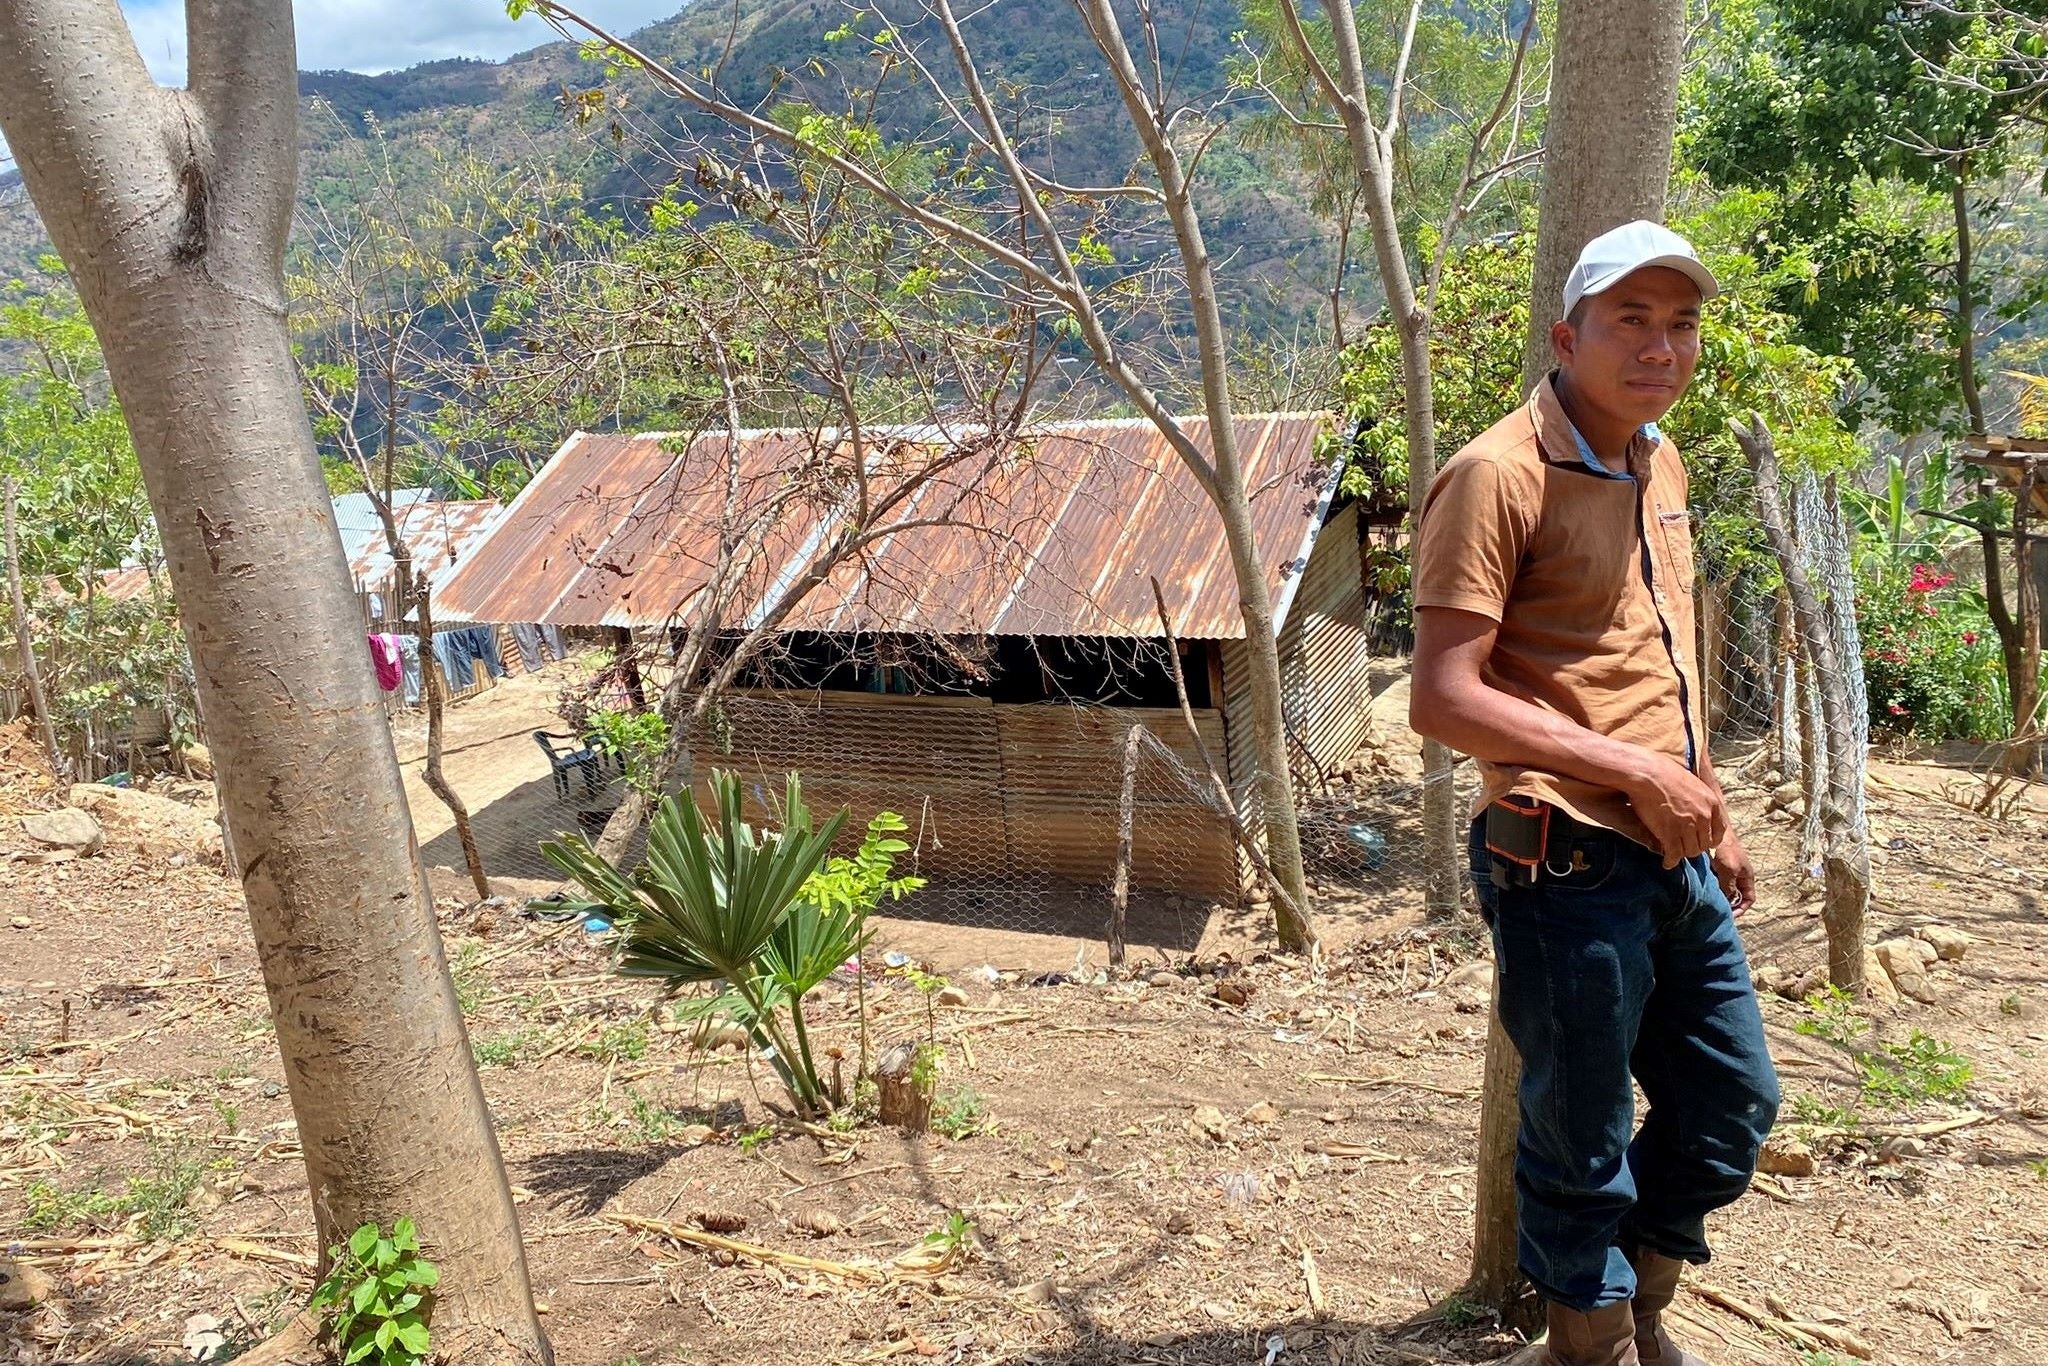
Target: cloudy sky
x: 379, y: 35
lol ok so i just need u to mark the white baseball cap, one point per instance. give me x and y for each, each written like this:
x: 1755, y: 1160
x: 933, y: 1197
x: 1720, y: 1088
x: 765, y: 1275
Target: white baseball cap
x: 1620, y: 252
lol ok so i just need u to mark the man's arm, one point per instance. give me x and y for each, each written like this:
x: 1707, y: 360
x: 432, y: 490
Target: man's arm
x: 1450, y: 701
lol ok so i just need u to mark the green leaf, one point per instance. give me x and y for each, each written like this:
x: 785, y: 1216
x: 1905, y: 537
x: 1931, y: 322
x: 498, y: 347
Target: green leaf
x: 364, y: 1239
x: 405, y: 1236
x: 387, y: 1333
x: 360, y: 1348
x: 412, y: 1335
x: 424, y: 1273
x: 365, y: 1293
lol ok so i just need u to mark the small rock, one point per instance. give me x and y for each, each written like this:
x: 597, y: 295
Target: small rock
x: 21, y: 1287
x: 1949, y: 945
x: 1772, y: 978
x: 1788, y: 797
x: 65, y: 828
x: 1477, y: 974
x: 1901, y: 959
x: 203, y: 1338
x: 1163, y: 978
x: 1877, y: 983
x: 1180, y: 1221
x: 1783, y: 1156
x: 1209, y: 1121
x: 271, y: 1090
x: 1903, y: 1147
x: 952, y: 996
x: 1262, y: 1112
x: 21, y: 922
x: 1233, y: 990
x: 1810, y: 981
x: 1037, y: 1292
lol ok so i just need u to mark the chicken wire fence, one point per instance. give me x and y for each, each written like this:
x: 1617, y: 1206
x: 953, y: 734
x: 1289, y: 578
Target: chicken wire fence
x: 1019, y: 816
x: 1016, y: 812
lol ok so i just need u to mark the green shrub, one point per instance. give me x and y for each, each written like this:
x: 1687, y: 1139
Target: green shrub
x: 375, y: 1297
x: 1930, y: 658
x: 764, y: 913
x: 1922, y: 1068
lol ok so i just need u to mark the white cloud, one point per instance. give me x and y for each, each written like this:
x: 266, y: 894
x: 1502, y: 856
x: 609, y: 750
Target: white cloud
x: 384, y: 35
x: 379, y: 35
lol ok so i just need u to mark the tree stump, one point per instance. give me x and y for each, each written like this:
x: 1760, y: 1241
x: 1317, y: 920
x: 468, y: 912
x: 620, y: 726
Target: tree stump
x: 905, y: 1102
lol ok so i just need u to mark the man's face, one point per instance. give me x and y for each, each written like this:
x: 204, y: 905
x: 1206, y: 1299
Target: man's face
x: 1634, y: 347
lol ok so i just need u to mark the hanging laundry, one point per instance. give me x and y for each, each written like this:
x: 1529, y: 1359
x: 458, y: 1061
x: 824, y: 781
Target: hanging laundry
x: 389, y: 663
x: 527, y: 638
x: 409, y: 655
x: 455, y: 660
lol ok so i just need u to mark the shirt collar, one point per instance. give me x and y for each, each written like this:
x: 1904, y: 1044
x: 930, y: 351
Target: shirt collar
x: 1561, y: 442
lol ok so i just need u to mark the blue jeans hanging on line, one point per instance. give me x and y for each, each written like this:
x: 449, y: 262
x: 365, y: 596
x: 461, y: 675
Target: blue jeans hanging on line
x: 455, y: 660
x: 1625, y: 968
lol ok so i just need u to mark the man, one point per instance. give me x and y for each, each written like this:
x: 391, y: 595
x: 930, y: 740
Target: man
x: 1553, y: 642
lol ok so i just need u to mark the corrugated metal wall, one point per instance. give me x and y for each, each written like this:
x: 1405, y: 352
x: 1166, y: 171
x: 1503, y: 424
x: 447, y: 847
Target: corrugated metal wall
x: 1324, y: 659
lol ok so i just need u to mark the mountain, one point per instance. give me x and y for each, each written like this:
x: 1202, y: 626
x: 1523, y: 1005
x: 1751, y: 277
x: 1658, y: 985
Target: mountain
x: 1035, y: 54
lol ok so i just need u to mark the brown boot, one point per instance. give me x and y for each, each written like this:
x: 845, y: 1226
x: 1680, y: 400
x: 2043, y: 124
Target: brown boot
x: 1656, y: 1286
x: 1599, y: 1337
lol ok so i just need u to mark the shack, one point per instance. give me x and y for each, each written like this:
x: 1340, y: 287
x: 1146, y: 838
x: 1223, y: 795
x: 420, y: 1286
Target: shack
x: 979, y: 674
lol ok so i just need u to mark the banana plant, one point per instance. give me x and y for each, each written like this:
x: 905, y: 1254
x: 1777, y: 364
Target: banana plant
x: 726, y: 905
x: 1890, y: 524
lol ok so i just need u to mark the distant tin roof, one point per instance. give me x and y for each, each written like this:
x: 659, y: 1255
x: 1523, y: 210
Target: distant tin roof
x: 1055, y: 533
x: 439, y: 535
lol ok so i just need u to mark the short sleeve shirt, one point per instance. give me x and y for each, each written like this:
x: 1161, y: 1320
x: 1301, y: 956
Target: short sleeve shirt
x: 1589, y: 573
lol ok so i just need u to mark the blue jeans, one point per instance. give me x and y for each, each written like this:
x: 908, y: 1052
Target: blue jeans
x: 1623, y: 968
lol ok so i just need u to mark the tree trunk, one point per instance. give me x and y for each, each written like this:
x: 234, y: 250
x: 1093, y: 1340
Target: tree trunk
x: 1615, y: 66
x: 902, y: 1100
x: 1371, y: 159
x: 1120, y: 883
x: 30, y: 675
x: 1846, y: 847
x: 170, y: 209
x: 435, y: 690
x: 1227, y: 491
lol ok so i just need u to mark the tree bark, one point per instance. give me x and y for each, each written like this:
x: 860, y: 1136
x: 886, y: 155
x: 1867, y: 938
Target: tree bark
x: 29, y: 673
x: 1607, y: 140
x: 1966, y: 303
x: 1227, y: 492
x: 1371, y: 154
x: 435, y: 690
x: 1845, y: 851
x: 1120, y: 884
x: 1615, y: 66
x: 170, y: 209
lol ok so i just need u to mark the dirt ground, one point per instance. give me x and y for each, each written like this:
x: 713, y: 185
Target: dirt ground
x: 1179, y: 1173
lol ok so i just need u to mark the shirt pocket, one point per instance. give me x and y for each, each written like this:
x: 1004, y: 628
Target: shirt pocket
x: 1676, y: 529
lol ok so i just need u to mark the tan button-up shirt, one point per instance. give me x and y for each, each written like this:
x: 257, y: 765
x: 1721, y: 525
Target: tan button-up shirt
x: 1519, y: 528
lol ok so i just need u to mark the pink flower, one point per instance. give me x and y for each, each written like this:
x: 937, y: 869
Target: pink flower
x: 1926, y: 579
x: 1896, y: 709
x: 1969, y: 637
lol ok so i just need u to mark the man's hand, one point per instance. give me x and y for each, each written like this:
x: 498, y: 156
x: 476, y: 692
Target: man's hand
x: 1685, y: 815
x: 1734, y: 871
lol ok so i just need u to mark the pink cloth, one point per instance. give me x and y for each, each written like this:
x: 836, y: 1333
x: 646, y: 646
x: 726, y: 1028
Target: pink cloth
x: 390, y: 664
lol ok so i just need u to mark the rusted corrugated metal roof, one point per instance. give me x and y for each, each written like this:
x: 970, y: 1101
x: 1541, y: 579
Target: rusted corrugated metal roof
x: 1056, y: 533
x: 439, y: 535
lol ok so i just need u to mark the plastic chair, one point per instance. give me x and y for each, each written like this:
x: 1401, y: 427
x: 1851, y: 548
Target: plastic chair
x: 566, y: 756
